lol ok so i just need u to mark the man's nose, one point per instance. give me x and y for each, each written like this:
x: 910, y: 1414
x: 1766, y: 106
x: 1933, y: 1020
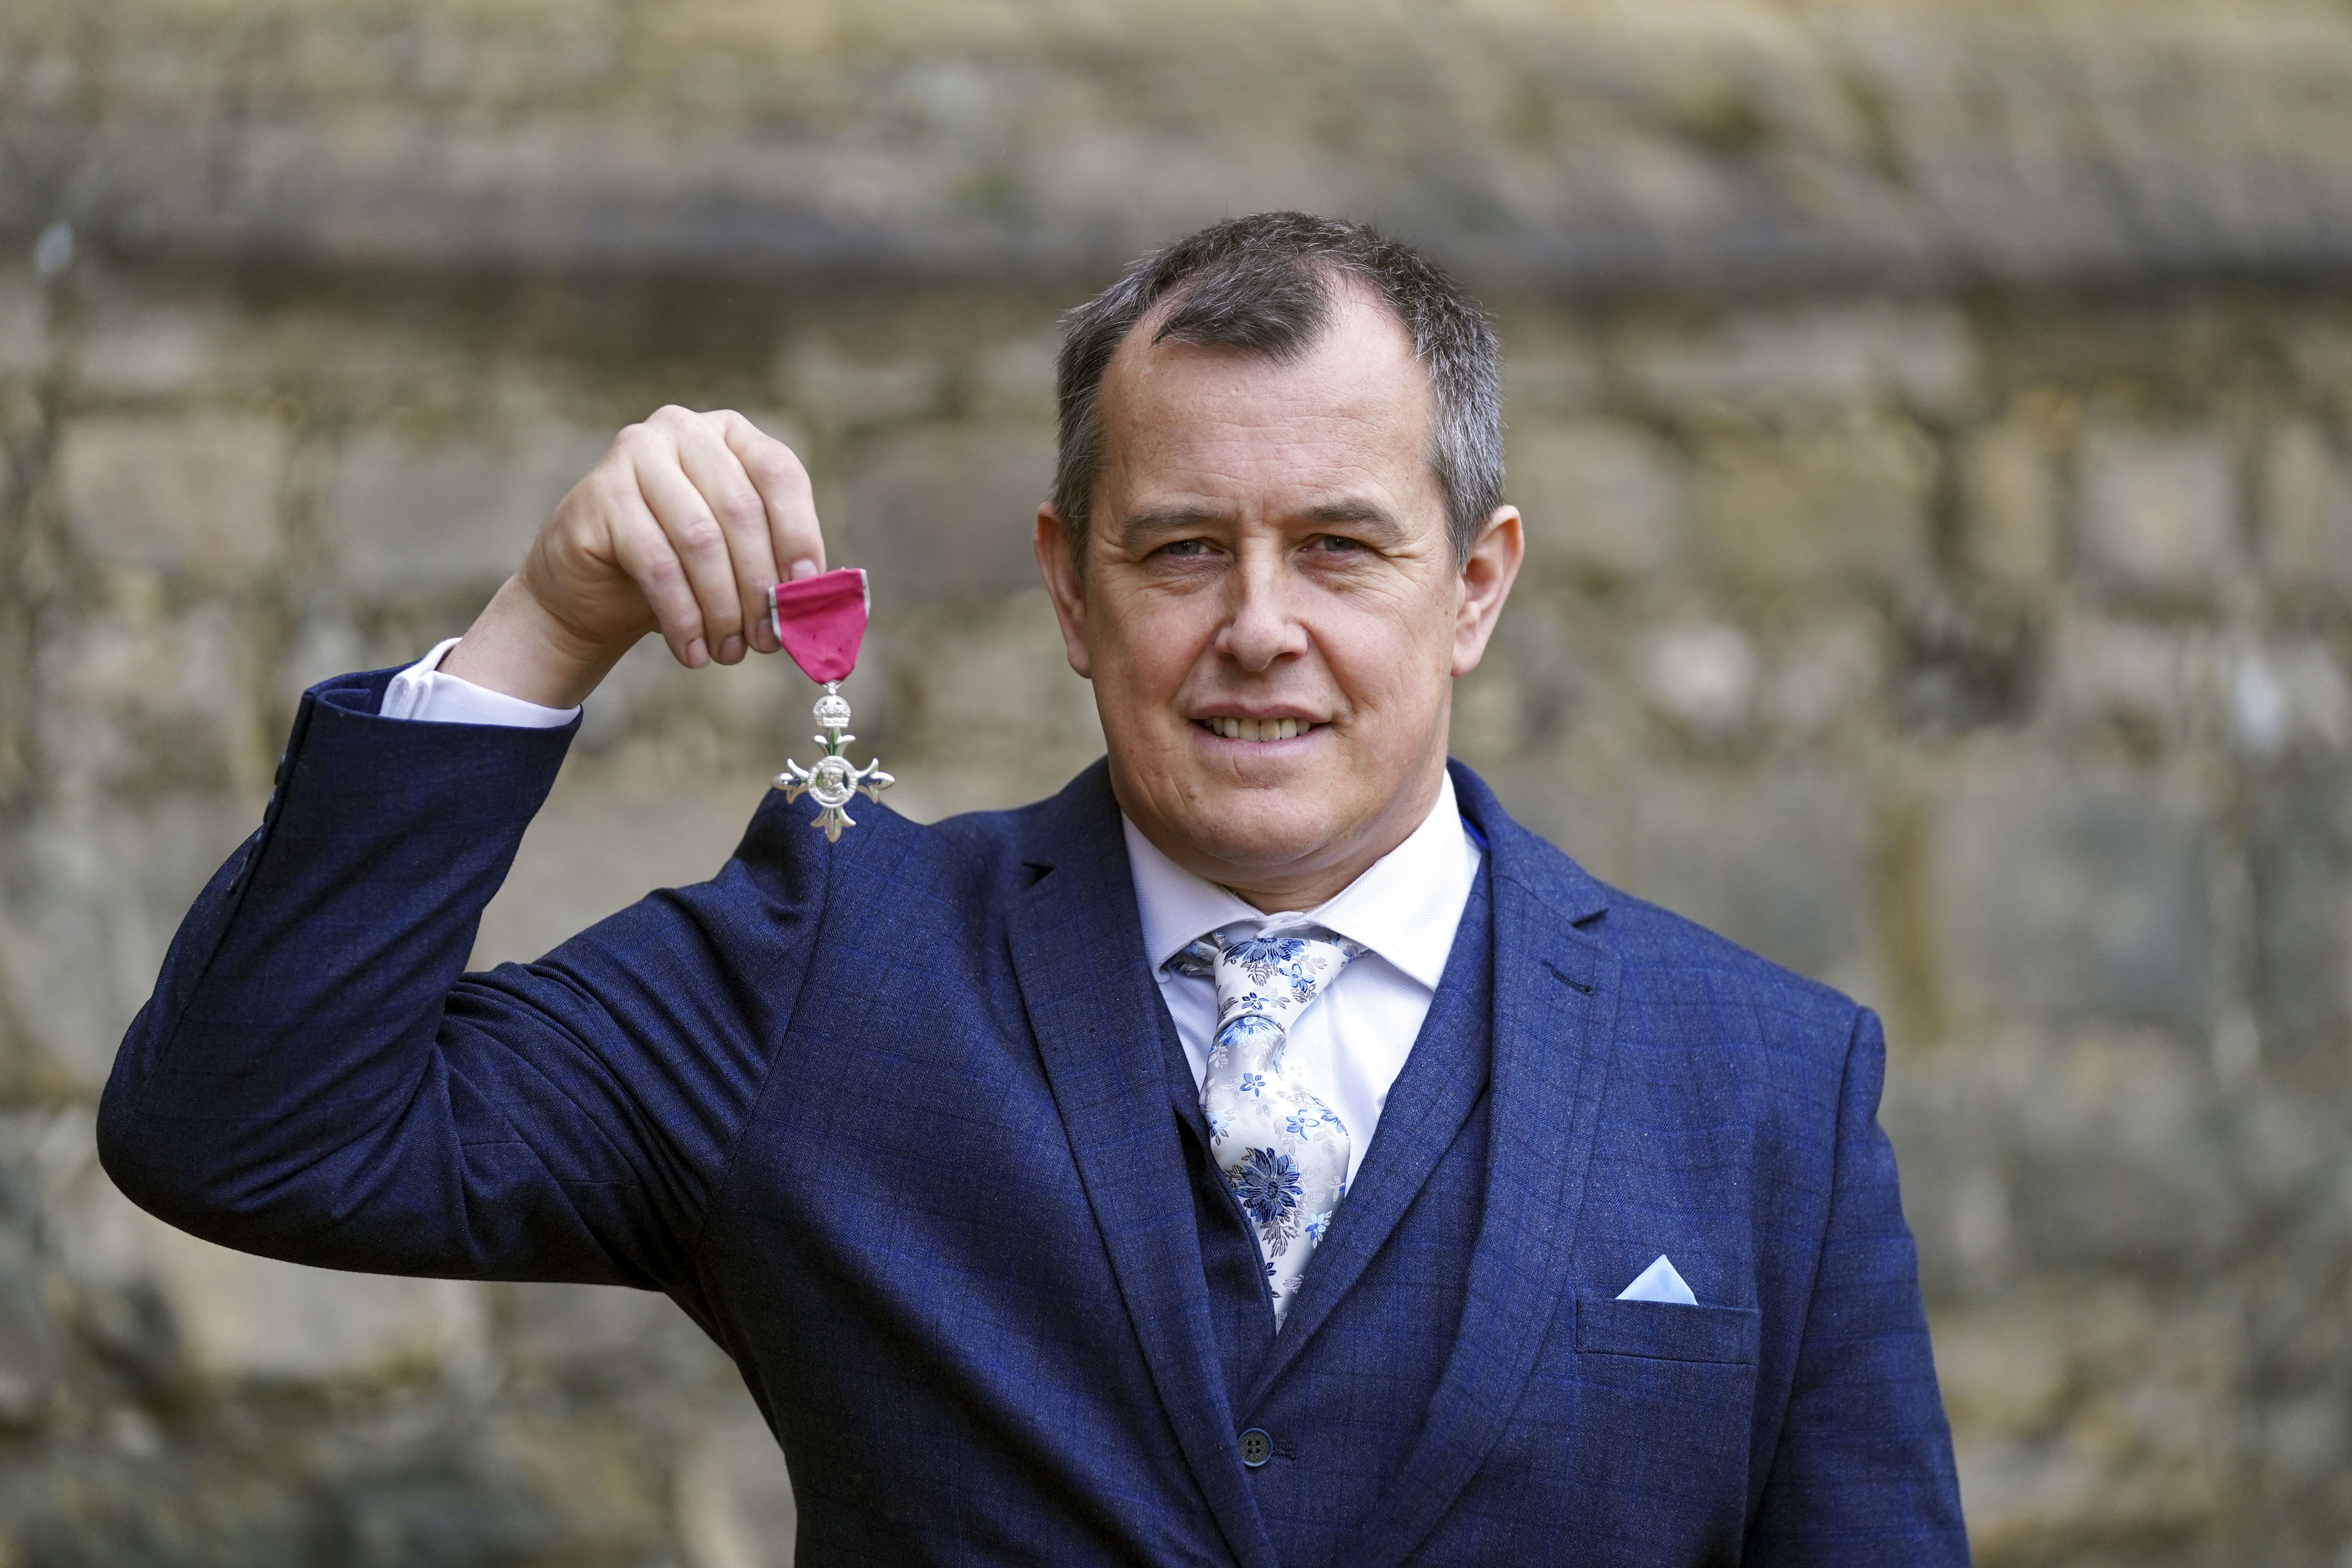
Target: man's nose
x: 1263, y: 625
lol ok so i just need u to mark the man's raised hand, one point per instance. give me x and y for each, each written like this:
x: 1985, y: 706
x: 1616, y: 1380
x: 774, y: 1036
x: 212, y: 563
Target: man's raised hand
x: 682, y: 528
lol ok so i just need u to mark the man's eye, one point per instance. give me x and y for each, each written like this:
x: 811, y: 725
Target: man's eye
x: 1338, y: 544
x: 1185, y: 547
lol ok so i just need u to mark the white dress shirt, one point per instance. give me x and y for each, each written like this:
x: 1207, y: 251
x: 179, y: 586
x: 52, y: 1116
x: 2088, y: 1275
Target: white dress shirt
x: 422, y: 691
x: 1347, y: 1048
x: 1351, y: 1043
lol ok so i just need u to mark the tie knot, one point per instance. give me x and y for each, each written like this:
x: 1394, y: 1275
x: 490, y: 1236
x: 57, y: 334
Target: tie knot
x: 1267, y: 975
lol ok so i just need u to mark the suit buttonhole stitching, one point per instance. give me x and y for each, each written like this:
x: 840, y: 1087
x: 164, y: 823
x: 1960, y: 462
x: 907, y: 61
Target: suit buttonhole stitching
x: 1572, y: 984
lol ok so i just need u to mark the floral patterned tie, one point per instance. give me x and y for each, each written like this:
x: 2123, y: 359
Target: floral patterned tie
x: 1284, y: 1151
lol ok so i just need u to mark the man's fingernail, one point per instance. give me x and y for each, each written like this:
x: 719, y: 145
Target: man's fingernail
x: 698, y: 653
x: 730, y: 649
x: 804, y: 567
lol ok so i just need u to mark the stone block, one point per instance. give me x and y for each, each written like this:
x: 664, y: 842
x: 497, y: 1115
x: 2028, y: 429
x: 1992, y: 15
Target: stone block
x: 1547, y: 373
x: 147, y: 338
x: 234, y: 1316
x: 87, y: 906
x: 2012, y: 495
x: 2159, y: 512
x: 2299, y: 854
x: 1829, y: 505
x: 131, y: 347
x: 2288, y: 696
x: 2093, y: 1412
x: 1704, y: 678
x: 24, y: 327
x: 734, y: 1498
x: 945, y: 512
x: 2139, y: 681
x: 597, y: 1451
x: 29, y: 1362
x: 2320, y: 350
x: 1542, y: 678
x: 420, y: 509
x: 1964, y: 663
x: 1778, y: 862
x: 1821, y: 356
x: 182, y: 493
x: 2068, y: 896
x: 326, y: 643
x: 834, y: 388
x: 2306, y: 513
x: 1492, y: 708
x: 2118, y: 1159
x: 1015, y: 379
x: 1602, y: 501
x: 1950, y: 1112
x: 572, y: 1326
x: 602, y: 842
x: 138, y: 703
x: 1831, y: 668
x: 161, y: 1513
x: 2003, y: 1379
x: 456, y: 1507
x: 1001, y: 719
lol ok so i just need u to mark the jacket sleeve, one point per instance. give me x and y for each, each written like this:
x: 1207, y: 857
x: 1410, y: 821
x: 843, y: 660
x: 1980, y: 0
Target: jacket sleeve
x: 315, y: 1080
x: 1863, y: 1472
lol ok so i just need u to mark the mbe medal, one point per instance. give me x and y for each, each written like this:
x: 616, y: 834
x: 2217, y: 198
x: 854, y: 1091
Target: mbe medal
x: 820, y: 621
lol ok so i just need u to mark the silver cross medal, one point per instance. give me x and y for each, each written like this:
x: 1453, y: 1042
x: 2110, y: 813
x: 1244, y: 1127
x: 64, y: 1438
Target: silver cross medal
x: 833, y: 780
x: 820, y: 621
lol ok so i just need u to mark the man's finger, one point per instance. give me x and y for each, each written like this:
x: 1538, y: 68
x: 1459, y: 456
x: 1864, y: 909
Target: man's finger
x: 796, y: 541
x: 699, y: 544
x: 710, y: 462
x: 644, y: 552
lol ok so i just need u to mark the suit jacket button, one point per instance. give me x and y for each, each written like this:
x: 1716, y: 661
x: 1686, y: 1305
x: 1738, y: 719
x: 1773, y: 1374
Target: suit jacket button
x: 1256, y: 1447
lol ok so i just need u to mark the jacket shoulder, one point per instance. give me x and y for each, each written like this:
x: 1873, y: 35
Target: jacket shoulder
x: 1674, y: 958
x: 989, y: 846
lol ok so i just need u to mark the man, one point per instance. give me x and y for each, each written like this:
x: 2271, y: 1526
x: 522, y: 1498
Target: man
x: 1263, y: 1151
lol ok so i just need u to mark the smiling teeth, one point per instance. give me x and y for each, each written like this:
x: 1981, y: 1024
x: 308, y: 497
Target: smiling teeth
x: 1259, y: 729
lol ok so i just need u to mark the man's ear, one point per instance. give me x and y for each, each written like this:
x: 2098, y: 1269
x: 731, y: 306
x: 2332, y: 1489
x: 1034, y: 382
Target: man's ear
x: 1487, y: 576
x: 1065, y: 584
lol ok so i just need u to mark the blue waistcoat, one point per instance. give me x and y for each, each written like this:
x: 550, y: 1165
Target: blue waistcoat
x: 1412, y: 1220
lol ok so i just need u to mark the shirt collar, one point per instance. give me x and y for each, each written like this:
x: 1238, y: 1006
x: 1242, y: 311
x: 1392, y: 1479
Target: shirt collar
x: 1404, y: 907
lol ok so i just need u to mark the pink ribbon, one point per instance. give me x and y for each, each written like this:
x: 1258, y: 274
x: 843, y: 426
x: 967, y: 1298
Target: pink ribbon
x: 819, y: 620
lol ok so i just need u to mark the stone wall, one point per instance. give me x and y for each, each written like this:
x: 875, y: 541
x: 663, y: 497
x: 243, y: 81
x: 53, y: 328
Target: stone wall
x: 1940, y: 502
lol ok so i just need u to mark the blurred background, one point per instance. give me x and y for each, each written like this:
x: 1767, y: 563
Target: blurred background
x: 1934, y: 420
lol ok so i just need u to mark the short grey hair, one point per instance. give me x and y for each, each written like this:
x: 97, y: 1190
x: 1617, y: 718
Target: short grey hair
x: 1263, y: 285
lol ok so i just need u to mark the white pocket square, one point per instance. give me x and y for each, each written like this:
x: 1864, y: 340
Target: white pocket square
x: 1659, y: 1282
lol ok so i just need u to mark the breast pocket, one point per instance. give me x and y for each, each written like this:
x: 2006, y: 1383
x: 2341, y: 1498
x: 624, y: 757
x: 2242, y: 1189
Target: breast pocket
x: 1663, y: 1402
x: 1668, y: 1331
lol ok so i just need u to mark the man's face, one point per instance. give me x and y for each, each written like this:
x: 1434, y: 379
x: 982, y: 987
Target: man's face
x: 1270, y: 609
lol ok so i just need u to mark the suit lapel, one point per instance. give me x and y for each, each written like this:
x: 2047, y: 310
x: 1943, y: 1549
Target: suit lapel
x: 1078, y: 952
x: 1442, y: 1077
x: 1555, y: 1002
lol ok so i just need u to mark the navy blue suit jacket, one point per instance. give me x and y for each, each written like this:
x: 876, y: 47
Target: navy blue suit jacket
x: 893, y: 1120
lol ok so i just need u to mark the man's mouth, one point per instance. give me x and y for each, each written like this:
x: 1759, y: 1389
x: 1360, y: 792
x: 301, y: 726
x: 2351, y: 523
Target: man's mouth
x: 1257, y: 728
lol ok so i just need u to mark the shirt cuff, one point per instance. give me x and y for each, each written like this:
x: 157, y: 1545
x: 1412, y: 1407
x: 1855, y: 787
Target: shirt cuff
x: 422, y: 691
